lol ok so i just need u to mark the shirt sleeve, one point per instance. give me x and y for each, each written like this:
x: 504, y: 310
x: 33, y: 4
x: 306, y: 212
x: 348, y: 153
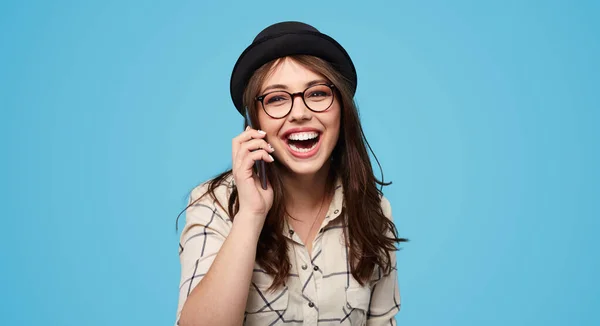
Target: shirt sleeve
x: 385, y: 296
x: 205, y: 230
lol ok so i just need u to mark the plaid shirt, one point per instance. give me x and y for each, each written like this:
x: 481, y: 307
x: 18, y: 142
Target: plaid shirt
x: 320, y: 289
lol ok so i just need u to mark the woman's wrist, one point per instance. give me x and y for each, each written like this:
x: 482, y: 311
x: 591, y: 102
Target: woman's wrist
x: 251, y: 224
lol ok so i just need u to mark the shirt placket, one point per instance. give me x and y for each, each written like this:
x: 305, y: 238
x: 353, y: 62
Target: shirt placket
x: 306, y: 280
x: 310, y: 273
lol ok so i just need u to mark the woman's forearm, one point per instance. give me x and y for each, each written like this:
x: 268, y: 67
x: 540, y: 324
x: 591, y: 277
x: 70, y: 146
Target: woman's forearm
x: 220, y: 297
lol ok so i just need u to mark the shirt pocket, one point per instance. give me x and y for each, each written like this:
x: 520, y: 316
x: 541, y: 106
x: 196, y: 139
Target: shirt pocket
x: 358, y: 299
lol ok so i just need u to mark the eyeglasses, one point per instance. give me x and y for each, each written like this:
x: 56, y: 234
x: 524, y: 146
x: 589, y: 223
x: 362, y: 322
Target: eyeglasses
x: 278, y: 104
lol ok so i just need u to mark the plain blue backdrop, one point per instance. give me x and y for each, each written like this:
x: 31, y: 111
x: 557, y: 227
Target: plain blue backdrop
x: 484, y: 114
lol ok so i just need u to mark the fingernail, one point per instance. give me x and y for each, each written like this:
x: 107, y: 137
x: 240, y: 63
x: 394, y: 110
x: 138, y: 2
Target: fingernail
x: 247, y: 127
x: 261, y: 132
x: 271, y: 157
x: 271, y: 147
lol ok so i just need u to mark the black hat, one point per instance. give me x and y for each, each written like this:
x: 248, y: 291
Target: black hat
x: 283, y: 39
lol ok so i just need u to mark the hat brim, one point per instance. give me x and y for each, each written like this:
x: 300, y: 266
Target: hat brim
x: 282, y: 45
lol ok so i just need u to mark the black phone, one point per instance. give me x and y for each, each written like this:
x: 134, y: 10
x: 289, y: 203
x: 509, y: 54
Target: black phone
x: 259, y: 166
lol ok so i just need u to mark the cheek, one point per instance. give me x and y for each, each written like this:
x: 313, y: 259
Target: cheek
x: 263, y: 121
x: 271, y: 127
x: 267, y: 124
x: 333, y: 123
x: 334, y: 135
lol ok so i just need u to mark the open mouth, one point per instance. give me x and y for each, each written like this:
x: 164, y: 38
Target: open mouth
x: 303, y: 142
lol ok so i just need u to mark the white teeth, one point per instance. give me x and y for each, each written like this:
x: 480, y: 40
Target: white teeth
x: 303, y: 135
x: 302, y: 150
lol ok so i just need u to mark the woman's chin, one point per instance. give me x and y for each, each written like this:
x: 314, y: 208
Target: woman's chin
x: 305, y: 168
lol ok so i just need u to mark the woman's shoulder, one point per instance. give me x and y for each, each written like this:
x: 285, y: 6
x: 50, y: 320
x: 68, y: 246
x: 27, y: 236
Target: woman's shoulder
x: 386, y: 207
x: 208, y: 202
x: 222, y: 188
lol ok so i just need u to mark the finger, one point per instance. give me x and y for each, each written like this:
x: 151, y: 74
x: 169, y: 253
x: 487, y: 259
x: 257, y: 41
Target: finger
x: 245, y: 136
x: 255, y: 144
x: 252, y: 157
x: 252, y: 145
x: 249, y: 134
x: 244, y: 168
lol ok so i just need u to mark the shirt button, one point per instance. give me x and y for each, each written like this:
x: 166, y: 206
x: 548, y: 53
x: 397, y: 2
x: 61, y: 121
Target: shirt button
x: 304, y: 267
x: 336, y: 211
x: 316, y: 268
x: 291, y: 232
x: 310, y: 304
x: 348, y: 306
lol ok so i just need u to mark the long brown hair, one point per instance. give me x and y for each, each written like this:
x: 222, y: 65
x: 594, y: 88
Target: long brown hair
x: 370, y: 235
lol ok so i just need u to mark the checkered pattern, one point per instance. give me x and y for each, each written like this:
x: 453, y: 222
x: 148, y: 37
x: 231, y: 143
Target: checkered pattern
x: 320, y: 289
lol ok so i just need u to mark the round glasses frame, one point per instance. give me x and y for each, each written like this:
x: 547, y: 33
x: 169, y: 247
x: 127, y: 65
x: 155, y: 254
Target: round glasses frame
x: 261, y: 98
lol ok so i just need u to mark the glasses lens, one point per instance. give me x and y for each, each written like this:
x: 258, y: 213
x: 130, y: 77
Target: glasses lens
x: 277, y: 104
x: 319, y: 97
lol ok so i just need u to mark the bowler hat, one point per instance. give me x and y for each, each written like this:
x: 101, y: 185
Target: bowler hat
x: 284, y: 39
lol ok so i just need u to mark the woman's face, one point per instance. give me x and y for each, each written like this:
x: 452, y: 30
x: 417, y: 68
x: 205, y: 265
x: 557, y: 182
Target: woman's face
x: 303, y: 140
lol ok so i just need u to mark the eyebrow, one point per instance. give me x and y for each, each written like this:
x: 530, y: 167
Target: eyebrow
x: 282, y: 86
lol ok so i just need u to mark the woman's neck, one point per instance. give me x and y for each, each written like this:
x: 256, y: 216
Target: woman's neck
x: 306, y: 191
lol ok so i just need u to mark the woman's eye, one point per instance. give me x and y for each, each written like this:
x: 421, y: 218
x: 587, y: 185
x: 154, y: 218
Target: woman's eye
x: 275, y: 99
x: 317, y: 94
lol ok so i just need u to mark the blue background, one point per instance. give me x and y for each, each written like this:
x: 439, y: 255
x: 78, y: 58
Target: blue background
x: 483, y: 114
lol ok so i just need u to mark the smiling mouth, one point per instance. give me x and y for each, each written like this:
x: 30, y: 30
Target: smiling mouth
x: 304, y: 142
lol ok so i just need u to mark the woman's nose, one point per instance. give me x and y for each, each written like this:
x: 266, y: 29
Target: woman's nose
x: 299, y: 109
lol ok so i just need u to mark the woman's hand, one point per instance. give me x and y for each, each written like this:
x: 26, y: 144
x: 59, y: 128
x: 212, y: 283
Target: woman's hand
x: 248, y: 147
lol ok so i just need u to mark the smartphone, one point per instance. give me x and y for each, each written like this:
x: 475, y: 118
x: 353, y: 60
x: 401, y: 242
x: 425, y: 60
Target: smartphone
x: 259, y: 166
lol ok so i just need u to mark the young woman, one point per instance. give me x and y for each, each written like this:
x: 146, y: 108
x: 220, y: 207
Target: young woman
x: 317, y: 246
